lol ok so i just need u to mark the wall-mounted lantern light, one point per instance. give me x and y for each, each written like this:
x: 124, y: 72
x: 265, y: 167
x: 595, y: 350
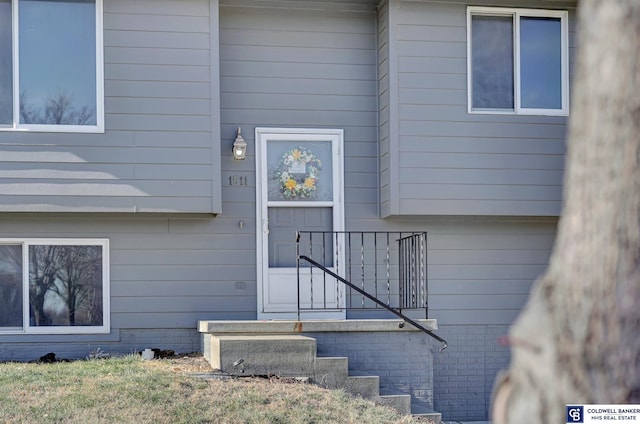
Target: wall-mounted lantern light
x: 239, y: 146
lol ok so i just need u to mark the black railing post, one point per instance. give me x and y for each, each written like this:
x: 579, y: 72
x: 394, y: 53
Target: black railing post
x: 362, y: 264
x: 401, y: 272
x: 388, y: 267
x: 298, y: 270
x: 349, y: 267
x: 425, y: 270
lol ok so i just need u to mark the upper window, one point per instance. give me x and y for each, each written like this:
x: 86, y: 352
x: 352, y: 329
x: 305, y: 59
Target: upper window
x: 517, y: 61
x: 51, y: 65
x: 54, y: 286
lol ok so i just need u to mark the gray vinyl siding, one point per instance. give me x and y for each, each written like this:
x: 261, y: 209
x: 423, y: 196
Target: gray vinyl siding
x: 280, y: 68
x: 480, y: 271
x: 482, y: 274
x: 167, y: 271
x: 292, y: 67
x: 160, y: 148
x: 443, y: 160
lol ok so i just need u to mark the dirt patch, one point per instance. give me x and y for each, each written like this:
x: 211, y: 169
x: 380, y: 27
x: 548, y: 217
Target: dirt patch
x: 194, y: 364
x: 190, y: 363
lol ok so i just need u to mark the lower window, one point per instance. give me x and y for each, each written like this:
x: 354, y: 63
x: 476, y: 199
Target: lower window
x: 54, y: 286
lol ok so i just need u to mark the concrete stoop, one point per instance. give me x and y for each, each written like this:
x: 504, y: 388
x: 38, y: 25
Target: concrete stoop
x: 295, y: 356
x: 283, y: 355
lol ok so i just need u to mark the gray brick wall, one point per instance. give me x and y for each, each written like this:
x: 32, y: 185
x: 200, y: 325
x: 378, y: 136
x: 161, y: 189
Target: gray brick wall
x: 403, y: 361
x: 464, y: 374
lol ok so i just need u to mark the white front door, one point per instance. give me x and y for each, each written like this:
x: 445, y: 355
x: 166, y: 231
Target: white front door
x: 299, y: 187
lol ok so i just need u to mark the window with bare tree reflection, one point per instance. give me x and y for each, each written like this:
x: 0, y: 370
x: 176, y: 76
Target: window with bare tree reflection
x: 63, y: 284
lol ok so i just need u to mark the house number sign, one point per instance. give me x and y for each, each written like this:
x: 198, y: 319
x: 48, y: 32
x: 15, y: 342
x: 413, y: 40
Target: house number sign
x: 237, y: 180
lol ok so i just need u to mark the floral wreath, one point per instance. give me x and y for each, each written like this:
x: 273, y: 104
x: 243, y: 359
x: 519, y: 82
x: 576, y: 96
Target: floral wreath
x: 297, y: 174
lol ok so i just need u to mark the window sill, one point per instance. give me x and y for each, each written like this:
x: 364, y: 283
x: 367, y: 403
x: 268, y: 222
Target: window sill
x: 516, y: 113
x: 89, y: 129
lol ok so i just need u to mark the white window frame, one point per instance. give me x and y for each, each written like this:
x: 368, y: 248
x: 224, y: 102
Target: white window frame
x: 516, y: 14
x: 17, y: 126
x: 106, y: 284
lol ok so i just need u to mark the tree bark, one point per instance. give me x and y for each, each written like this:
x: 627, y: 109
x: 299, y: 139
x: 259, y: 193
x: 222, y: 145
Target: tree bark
x: 578, y: 338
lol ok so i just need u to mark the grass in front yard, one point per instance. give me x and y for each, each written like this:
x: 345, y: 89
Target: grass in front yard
x: 129, y: 390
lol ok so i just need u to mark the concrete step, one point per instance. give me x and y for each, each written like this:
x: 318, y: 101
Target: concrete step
x: 283, y: 355
x: 295, y: 356
x: 420, y: 411
x: 365, y: 386
x: 401, y: 403
x: 331, y: 373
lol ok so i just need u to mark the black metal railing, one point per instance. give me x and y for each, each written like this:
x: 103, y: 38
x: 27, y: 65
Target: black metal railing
x: 378, y: 270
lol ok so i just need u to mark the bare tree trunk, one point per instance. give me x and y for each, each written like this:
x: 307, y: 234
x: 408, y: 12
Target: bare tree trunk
x: 578, y: 339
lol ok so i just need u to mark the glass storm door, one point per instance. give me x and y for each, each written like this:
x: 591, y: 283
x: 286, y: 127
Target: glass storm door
x: 298, y: 188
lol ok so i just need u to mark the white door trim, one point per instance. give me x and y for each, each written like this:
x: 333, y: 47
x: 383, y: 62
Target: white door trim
x: 262, y: 136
